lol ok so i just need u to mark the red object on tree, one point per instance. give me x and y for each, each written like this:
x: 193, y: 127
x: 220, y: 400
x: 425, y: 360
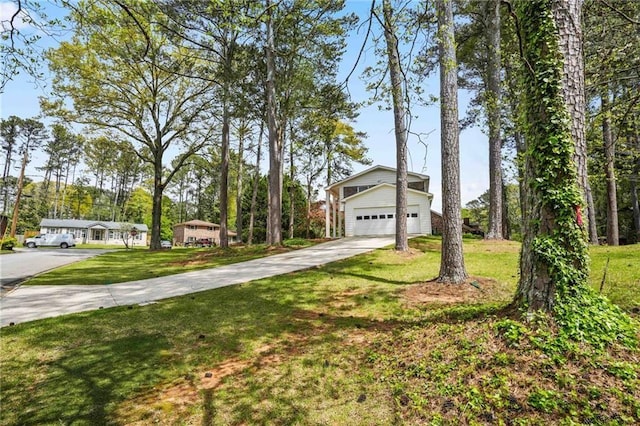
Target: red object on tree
x: 579, y: 215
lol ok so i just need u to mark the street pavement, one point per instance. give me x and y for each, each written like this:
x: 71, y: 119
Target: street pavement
x: 28, y: 303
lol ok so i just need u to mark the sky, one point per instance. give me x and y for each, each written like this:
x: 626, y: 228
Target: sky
x: 21, y: 99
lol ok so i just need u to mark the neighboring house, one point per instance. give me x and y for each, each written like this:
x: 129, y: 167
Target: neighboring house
x: 189, y: 232
x: 366, y: 202
x: 95, y: 231
x: 467, y: 226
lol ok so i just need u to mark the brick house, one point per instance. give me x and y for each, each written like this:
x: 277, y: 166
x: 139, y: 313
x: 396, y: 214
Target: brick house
x: 188, y: 232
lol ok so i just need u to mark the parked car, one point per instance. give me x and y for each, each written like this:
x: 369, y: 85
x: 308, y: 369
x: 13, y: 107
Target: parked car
x: 165, y: 244
x: 51, y: 240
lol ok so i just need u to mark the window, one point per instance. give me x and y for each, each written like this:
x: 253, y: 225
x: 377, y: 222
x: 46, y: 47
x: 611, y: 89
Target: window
x: 414, y: 214
x: 193, y: 227
x: 209, y: 228
x: 383, y: 216
x: 390, y: 216
x: 375, y: 216
x: 53, y: 231
x: 358, y: 217
x: 367, y: 218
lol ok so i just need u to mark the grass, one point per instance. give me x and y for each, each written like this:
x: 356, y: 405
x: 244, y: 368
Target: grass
x: 131, y: 265
x: 340, y: 344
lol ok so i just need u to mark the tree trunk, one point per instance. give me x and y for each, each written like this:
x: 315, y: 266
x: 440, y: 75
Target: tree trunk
x: 256, y: 182
x: 634, y: 179
x: 613, y: 238
x: 570, y: 46
x: 493, y: 116
x: 224, y: 175
x: 292, y: 205
x: 399, y: 119
x: 591, y: 214
x: 239, y: 181
x: 156, y: 210
x: 274, y: 217
x: 16, y: 206
x: 452, y: 268
x: 554, y: 256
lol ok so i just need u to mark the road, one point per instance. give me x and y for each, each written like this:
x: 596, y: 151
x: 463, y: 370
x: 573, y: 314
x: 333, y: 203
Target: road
x: 25, y: 263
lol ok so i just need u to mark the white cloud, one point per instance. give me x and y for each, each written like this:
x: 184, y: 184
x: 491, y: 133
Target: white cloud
x: 7, y: 11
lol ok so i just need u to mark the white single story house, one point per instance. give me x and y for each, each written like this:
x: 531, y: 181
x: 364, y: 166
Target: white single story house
x: 95, y: 231
x: 366, y: 202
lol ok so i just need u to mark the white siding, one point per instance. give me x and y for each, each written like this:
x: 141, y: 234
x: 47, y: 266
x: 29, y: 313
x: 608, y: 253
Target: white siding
x: 385, y: 196
x: 376, y: 177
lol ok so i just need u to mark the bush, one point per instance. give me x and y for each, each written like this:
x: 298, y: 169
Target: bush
x: 9, y: 243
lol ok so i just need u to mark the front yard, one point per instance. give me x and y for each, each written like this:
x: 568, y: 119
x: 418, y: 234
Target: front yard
x: 363, y: 341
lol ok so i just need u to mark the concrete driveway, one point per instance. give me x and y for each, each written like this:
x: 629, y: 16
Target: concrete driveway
x: 28, y: 303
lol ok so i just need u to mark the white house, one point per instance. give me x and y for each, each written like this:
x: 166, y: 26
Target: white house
x: 95, y: 231
x: 366, y: 202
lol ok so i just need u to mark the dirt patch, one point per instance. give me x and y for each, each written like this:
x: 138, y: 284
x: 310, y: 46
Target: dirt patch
x: 474, y: 289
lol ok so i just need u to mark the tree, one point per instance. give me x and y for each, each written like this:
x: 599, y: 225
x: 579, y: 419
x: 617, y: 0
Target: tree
x: 399, y: 119
x: 32, y: 134
x: 122, y: 74
x: 9, y: 130
x: 493, y: 100
x: 452, y: 268
x: 554, y: 256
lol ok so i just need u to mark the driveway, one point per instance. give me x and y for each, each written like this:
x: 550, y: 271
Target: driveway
x: 28, y: 303
x: 25, y: 263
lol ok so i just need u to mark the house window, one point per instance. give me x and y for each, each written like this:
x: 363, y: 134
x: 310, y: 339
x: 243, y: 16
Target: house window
x: 193, y: 227
x: 414, y: 214
x: 209, y: 228
x: 53, y: 231
x: 383, y: 216
x: 367, y: 217
x: 390, y: 216
x: 358, y: 217
x: 191, y: 239
x: 375, y: 216
x: 348, y: 191
x: 417, y: 185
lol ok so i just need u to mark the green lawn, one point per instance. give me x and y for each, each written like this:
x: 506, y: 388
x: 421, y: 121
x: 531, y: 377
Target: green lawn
x: 131, y: 265
x: 343, y: 344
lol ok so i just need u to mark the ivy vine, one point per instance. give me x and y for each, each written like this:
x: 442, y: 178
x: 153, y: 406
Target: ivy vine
x: 561, y: 242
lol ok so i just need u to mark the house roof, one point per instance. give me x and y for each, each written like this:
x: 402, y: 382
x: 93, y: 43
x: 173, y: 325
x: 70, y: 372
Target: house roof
x: 369, y: 170
x: 197, y: 222
x: 78, y: 223
x: 387, y: 185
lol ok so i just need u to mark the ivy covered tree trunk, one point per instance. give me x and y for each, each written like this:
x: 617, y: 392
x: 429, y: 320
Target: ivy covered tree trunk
x: 452, y: 268
x: 399, y: 118
x: 492, y: 13
x: 554, y: 254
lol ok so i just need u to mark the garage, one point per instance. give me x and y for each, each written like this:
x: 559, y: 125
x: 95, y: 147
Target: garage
x: 382, y: 220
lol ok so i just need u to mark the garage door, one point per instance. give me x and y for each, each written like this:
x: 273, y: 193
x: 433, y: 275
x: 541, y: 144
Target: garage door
x: 382, y: 221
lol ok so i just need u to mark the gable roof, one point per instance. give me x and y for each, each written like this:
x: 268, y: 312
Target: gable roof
x: 197, y: 222
x: 371, y: 169
x: 387, y: 186
x: 78, y: 223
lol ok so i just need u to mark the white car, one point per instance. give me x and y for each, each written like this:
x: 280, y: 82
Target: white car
x: 165, y: 244
x: 51, y: 240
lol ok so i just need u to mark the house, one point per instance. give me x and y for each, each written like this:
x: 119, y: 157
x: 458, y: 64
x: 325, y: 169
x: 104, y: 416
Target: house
x: 366, y: 202
x: 467, y: 226
x: 96, y: 232
x: 189, y: 232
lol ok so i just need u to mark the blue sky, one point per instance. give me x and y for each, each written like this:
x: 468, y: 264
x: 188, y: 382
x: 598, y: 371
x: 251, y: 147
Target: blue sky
x: 21, y: 99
